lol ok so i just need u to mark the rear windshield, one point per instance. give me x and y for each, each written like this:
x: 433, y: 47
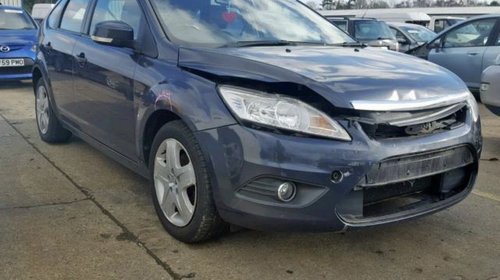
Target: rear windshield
x: 220, y: 22
x: 372, y: 30
x: 12, y: 19
x: 419, y: 34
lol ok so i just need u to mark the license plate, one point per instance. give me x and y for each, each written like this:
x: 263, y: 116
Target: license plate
x: 12, y: 62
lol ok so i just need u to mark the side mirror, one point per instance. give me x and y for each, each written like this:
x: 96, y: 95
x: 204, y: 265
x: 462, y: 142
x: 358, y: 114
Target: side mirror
x: 402, y: 40
x: 114, y: 33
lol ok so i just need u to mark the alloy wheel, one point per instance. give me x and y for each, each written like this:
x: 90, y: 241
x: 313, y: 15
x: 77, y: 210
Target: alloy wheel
x: 42, y: 109
x: 175, y: 182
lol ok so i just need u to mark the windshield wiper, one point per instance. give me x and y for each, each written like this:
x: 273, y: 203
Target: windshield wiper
x: 352, y: 45
x: 241, y: 44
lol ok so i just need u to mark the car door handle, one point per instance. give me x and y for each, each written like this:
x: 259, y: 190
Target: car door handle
x: 472, y: 53
x: 81, y: 60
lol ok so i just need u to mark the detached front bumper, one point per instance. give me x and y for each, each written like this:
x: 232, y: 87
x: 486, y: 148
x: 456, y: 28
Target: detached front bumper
x: 244, y: 162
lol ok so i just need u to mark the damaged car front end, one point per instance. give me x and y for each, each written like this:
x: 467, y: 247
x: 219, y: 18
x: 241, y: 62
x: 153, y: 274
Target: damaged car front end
x: 389, y: 137
x: 260, y: 114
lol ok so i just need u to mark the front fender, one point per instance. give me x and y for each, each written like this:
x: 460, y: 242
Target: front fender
x: 191, y: 98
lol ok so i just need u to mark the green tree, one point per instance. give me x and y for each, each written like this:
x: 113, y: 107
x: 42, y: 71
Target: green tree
x: 494, y: 3
x: 327, y: 4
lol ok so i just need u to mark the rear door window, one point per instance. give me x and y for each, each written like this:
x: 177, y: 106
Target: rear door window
x: 372, y: 30
x: 74, y: 14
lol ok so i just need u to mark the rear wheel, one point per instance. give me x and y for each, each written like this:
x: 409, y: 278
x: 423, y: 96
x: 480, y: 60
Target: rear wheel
x: 49, y: 127
x: 182, y: 193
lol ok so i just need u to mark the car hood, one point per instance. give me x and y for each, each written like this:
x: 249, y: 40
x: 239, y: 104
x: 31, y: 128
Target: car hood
x: 341, y: 75
x: 18, y: 37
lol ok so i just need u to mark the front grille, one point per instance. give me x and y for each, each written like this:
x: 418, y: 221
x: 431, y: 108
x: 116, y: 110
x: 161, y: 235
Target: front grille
x: 410, y: 167
x: 384, y: 125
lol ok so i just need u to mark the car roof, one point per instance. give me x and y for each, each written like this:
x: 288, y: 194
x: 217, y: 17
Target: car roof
x: 11, y: 8
x: 360, y: 19
x: 484, y: 16
x: 350, y: 18
x: 403, y: 24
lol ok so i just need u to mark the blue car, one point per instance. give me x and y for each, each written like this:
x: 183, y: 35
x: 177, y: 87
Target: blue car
x: 256, y: 113
x: 18, y: 38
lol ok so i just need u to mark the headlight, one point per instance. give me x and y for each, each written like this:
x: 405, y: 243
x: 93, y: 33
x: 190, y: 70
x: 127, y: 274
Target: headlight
x: 281, y: 112
x: 33, y: 48
x: 471, y: 101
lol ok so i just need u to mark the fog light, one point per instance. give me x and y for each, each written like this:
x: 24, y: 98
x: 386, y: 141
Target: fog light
x: 286, y: 191
x: 484, y: 87
x: 337, y: 176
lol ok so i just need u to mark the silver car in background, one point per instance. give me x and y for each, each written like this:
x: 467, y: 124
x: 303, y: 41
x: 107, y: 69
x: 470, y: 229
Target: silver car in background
x: 490, y: 87
x: 466, y: 48
x: 410, y: 36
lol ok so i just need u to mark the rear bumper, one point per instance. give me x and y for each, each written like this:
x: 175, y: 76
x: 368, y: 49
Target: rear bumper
x: 239, y: 156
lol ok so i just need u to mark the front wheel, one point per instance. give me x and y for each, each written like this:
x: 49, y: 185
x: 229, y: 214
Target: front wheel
x: 182, y: 194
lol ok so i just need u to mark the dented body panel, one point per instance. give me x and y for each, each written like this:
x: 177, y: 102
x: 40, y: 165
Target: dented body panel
x: 340, y: 75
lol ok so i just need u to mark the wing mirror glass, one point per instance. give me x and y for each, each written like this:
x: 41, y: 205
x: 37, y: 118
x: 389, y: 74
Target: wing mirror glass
x: 114, y: 33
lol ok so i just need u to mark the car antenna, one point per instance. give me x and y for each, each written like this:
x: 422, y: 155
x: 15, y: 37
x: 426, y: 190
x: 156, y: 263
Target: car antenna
x: 364, y: 14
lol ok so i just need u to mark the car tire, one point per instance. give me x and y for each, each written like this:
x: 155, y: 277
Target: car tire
x: 182, y: 193
x: 49, y: 127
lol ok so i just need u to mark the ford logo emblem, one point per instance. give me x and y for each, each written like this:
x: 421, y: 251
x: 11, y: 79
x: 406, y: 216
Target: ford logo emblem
x: 4, y: 49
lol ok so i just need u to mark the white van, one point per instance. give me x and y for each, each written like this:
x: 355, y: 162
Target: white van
x: 440, y: 23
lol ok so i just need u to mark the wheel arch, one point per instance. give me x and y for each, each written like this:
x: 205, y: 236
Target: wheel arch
x: 152, y: 125
x: 37, y: 75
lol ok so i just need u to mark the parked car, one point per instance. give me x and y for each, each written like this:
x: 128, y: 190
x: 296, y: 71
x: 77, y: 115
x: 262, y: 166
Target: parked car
x: 410, y: 36
x: 286, y: 124
x: 466, y: 48
x: 370, y: 31
x: 18, y: 36
x: 490, y: 87
x: 41, y: 11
